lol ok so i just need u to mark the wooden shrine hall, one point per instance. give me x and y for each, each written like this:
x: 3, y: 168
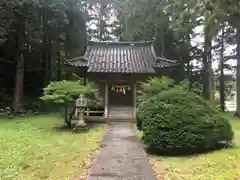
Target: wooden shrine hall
x: 117, y: 67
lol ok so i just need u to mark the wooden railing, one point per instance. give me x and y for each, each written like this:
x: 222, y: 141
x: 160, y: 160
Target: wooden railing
x: 88, y: 111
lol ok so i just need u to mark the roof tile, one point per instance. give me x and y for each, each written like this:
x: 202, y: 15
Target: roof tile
x: 115, y: 57
x: 120, y: 57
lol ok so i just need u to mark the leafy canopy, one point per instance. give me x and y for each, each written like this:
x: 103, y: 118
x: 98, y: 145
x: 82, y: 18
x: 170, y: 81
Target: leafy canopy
x: 66, y: 92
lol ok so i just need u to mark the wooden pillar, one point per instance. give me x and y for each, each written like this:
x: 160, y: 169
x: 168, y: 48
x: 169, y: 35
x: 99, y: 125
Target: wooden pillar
x: 106, y: 100
x: 134, y: 100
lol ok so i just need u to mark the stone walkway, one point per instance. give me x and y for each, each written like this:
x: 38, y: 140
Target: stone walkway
x: 121, y: 156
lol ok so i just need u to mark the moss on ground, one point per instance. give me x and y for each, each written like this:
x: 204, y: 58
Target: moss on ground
x: 36, y: 148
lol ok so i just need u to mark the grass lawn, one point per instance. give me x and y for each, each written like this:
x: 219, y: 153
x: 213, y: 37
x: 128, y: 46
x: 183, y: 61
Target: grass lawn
x: 36, y: 148
x: 219, y: 165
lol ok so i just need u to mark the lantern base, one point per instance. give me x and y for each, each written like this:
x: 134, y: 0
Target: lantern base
x: 80, y: 126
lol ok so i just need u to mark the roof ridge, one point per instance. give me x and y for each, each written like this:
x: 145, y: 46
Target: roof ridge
x: 143, y: 43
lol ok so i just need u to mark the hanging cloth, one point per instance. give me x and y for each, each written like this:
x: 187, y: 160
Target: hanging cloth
x: 124, y: 91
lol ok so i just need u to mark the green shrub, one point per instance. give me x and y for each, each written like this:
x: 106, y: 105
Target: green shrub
x: 150, y: 88
x: 176, y: 121
x: 154, y: 86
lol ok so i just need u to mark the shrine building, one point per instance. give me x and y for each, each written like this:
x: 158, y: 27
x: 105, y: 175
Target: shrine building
x: 117, y: 67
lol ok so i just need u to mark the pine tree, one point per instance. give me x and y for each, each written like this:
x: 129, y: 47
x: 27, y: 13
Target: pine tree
x: 39, y: 27
x: 231, y: 8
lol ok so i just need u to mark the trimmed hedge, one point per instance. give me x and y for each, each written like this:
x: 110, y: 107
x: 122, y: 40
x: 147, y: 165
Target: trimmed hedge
x: 176, y: 122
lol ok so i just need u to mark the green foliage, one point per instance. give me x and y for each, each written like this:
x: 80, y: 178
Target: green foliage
x: 66, y: 92
x: 150, y: 88
x: 157, y: 85
x: 194, y: 87
x: 95, y: 100
x: 177, y: 121
x: 154, y: 86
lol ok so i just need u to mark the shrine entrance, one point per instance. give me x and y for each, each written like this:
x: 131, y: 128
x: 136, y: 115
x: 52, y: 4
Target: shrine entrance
x: 120, y: 94
x: 116, y: 67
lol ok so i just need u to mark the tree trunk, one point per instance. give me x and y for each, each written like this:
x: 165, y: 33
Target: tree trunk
x: 49, y: 60
x: 163, y: 42
x: 208, y: 81
x: 221, y: 79
x: 66, y: 116
x: 45, y: 62
x: 59, y: 65
x: 19, y: 81
x: 19, y: 77
x: 238, y: 72
x: 101, y: 21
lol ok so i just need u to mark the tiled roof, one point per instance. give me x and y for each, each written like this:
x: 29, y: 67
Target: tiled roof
x: 119, y: 57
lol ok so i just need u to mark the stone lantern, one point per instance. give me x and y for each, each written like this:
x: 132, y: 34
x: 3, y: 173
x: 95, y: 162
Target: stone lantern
x: 81, y: 103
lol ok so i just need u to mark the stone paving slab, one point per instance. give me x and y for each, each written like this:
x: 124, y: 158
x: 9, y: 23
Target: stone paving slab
x: 121, y: 156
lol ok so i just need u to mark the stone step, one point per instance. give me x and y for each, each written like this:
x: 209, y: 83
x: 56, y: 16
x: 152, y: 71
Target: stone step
x: 120, y: 108
x: 102, y: 118
x: 121, y: 114
x: 120, y: 111
x: 109, y: 119
x: 122, y: 120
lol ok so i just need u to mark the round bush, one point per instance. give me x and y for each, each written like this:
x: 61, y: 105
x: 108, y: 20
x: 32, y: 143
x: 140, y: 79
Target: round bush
x: 176, y: 122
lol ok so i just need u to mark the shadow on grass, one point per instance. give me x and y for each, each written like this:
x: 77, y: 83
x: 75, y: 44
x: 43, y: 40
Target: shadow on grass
x: 27, y: 115
x: 66, y: 128
x: 188, y: 152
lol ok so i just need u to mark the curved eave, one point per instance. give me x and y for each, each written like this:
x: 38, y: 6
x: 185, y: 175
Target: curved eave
x: 165, y: 60
x: 124, y: 43
x: 77, y: 62
x: 165, y: 63
x: 149, y: 71
x: 161, y: 65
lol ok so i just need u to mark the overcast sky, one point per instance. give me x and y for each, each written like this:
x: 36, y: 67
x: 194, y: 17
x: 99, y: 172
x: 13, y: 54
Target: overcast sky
x: 198, y: 40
